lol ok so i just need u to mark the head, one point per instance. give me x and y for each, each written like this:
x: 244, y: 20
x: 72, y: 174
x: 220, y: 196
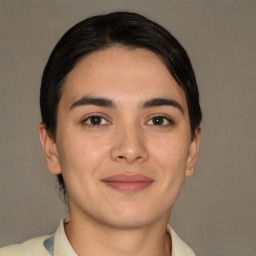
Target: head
x: 115, y: 30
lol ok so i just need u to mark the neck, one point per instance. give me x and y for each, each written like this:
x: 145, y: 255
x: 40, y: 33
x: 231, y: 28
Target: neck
x: 89, y: 237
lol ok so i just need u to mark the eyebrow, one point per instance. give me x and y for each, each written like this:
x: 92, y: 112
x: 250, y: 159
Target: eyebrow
x: 158, y: 102
x: 88, y: 100
x: 105, y: 102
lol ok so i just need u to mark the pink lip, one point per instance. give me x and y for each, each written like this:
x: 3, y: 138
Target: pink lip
x: 128, y: 183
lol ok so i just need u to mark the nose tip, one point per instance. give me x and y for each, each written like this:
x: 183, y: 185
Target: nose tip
x: 129, y: 147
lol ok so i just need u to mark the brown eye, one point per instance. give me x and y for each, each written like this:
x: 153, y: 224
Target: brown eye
x: 95, y: 120
x: 159, y: 121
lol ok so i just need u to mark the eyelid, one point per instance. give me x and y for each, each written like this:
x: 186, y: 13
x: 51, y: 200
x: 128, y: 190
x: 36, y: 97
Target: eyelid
x: 164, y: 116
x: 87, y: 117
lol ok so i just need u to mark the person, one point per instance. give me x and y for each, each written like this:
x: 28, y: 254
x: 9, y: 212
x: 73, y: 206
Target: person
x: 121, y: 129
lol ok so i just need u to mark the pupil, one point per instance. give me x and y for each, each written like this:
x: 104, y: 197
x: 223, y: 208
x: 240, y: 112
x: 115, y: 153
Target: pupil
x: 96, y: 120
x: 158, y: 120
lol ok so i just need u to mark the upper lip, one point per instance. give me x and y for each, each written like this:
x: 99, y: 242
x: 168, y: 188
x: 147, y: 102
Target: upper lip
x: 128, y: 178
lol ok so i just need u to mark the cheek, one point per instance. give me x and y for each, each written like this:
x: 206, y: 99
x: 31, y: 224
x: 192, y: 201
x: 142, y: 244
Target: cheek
x: 80, y: 162
x: 79, y: 154
x: 169, y: 160
x: 171, y: 155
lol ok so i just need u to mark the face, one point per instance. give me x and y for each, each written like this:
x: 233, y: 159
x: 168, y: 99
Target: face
x: 123, y: 141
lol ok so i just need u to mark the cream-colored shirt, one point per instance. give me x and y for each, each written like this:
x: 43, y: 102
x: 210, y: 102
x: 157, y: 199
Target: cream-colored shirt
x: 57, y: 244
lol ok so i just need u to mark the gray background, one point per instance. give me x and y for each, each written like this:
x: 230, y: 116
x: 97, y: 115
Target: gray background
x: 216, y: 210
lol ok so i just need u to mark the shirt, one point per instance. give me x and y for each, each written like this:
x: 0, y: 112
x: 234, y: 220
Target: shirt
x: 57, y: 244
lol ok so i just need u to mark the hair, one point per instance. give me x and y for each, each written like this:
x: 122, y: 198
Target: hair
x: 123, y: 29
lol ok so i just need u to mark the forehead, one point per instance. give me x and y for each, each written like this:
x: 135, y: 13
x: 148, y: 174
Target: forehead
x: 122, y: 74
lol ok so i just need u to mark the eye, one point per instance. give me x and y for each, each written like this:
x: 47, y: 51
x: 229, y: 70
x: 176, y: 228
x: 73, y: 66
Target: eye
x: 95, y: 120
x: 160, y: 121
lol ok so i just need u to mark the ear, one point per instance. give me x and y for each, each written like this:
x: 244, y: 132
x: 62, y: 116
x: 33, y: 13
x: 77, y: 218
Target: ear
x: 50, y: 150
x: 193, y: 152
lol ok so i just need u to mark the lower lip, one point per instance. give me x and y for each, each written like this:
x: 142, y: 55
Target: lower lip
x: 128, y: 187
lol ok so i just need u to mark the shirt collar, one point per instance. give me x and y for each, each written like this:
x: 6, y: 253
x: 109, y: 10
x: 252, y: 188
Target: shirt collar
x: 62, y: 246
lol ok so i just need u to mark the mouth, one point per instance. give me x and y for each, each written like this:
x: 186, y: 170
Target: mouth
x: 128, y: 183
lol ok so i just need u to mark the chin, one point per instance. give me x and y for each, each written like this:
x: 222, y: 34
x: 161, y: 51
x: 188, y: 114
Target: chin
x: 133, y: 222
x: 131, y: 218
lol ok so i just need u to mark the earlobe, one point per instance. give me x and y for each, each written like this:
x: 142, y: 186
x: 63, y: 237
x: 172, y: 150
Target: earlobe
x: 193, y: 152
x: 189, y: 171
x: 50, y: 150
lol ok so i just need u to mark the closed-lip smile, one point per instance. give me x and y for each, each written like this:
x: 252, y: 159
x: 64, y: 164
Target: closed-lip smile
x: 128, y: 183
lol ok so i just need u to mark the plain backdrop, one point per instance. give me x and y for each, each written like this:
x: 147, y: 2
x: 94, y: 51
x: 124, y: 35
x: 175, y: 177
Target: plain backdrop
x: 216, y: 210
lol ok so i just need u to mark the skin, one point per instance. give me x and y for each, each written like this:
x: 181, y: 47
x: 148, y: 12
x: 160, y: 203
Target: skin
x: 127, y: 140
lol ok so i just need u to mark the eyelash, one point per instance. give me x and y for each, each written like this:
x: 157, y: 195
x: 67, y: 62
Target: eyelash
x: 99, y: 117
x: 163, y: 121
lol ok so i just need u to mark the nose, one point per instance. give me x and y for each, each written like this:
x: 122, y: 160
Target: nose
x: 129, y: 145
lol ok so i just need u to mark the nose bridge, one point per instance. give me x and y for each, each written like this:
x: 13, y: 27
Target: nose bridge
x: 130, y: 144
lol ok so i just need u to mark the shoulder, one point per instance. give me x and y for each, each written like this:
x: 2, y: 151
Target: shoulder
x: 34, y: 246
